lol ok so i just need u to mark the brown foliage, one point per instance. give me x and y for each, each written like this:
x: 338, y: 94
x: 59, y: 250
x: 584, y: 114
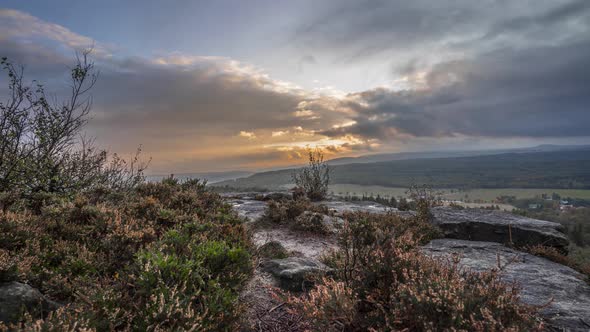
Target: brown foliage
x: 384, y: 283
x: 164, y: 256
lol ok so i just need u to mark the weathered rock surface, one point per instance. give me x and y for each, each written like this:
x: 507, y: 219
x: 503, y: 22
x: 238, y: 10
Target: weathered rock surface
x: 252, y: 205
x: 295, y: 273
x: 309, y: 245
x: 540, y: 279
x: 16, y: 298
x: 340, y: 207
x: 277, y: 196
x: 496, y: 226
x: 250, y: 209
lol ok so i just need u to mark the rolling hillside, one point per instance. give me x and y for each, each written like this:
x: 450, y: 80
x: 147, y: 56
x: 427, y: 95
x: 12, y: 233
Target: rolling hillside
x: 557, y: 169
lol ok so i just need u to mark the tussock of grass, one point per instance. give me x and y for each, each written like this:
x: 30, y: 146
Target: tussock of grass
x: 163, y: 256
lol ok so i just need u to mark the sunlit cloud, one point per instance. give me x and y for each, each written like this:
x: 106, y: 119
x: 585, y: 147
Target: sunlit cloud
x: 247, y: 134
x: 279, y: 133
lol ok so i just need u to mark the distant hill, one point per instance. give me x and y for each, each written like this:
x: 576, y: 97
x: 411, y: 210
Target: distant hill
x: 566, y: 168
x: 211, y: 177
x: 451, y: 154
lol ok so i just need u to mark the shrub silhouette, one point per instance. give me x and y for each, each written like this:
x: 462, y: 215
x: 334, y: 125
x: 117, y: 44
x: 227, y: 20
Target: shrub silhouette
x: 42, y: 146
x: 314, y: 178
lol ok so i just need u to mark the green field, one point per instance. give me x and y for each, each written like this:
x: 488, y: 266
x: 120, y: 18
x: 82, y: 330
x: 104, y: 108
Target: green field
x: 453, y: 194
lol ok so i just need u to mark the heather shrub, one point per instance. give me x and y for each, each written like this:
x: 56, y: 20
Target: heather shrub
x: 330, y: 306
x: 311, y: 222
x: 382, y: 282
x: 555, y: 255
x: 161, y: 256
x: 275, y: 212
x: 299, y: 214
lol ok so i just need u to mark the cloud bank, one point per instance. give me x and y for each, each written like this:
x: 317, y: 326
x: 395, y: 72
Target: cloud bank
x: 519, y: 70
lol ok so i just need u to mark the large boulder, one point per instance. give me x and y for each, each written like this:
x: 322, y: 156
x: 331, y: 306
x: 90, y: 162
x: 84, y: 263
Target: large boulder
x: 541, y: 280
x: 295, y: 273
x: 17, y: 298
x: 496, y: 226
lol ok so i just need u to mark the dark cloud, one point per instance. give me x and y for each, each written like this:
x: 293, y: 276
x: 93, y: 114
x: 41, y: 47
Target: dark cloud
x: 351, y: 29
x: 539, y: 92
x: 546, y: 20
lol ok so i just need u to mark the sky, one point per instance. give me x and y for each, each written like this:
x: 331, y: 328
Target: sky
x: 246, y: 85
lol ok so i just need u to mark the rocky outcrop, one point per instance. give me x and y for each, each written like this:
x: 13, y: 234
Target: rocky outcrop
x: 496, y: 226
x: 17, y: 298
x: 295, y: 273
x: 541, y: 280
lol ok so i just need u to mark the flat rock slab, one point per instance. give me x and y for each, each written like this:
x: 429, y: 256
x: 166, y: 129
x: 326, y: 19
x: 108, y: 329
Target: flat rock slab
x: 497, y: 226
x: 295, y: 273
x: 540, y: 279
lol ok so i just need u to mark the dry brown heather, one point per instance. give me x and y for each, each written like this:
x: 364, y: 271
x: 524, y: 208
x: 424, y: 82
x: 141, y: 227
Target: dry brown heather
x: 555, y: 255
x: 164, y: 256
x: 382, y: 283
x: 171, y: 256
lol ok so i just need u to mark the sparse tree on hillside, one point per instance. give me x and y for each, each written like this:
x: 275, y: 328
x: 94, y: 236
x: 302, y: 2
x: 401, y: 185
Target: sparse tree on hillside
x: 314, y: 178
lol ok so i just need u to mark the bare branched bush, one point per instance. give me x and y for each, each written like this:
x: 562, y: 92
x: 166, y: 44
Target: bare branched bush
x: 42, y: 146
x: 315, y: 177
